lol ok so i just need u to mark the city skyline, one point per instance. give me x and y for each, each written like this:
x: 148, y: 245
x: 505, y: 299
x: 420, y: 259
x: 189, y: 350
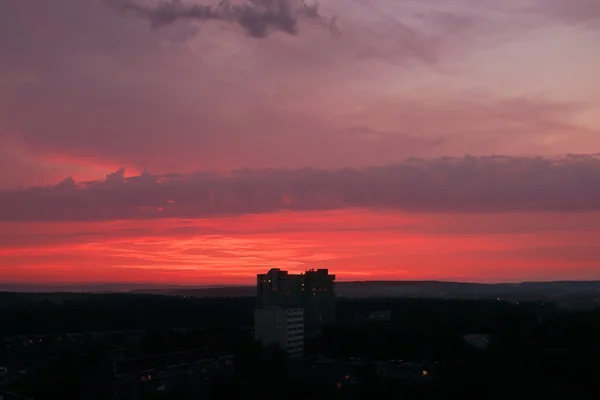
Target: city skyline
x: 187, y: 142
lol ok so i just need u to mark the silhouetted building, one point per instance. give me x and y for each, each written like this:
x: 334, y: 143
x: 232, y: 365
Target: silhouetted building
x: 319, y: 305
x: 281, y: 326
x: 278, y: 288
x: 312, y: 291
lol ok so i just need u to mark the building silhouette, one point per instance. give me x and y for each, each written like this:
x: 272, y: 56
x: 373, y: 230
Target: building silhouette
x: 278, y: 292
x: 279, y: 288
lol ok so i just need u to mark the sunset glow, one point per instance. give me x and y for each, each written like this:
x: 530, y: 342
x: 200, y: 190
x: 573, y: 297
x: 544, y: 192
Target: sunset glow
x: 357, y: 244
x: 384, y: 140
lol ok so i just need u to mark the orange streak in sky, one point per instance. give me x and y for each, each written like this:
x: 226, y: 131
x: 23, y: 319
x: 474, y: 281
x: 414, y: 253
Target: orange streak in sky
x: 355, y: 244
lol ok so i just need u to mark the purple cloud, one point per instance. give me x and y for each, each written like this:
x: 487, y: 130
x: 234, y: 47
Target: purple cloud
x: 469, y: 184
x: 85, y: 89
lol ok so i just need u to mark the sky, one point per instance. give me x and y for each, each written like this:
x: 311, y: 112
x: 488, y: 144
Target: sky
x: 183, y: 142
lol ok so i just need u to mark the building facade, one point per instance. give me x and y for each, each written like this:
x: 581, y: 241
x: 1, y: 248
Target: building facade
x: 280, y: 326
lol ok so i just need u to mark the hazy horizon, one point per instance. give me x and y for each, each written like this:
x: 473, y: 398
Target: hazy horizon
x: 250, y: 284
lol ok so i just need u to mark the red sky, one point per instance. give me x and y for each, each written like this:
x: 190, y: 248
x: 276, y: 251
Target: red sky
x: 140, y: 148
x: 355, y: 244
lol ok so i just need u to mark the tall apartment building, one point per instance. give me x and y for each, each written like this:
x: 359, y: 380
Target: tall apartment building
x: 319, y: 300
x: 278, y: 288
x: 281, y: 326
x: 312, y: 291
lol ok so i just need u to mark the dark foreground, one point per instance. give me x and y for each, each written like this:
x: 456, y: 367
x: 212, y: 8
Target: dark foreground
x: 69, y: 346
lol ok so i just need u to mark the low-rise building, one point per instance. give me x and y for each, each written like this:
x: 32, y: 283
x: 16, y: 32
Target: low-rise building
x: 182, y: 375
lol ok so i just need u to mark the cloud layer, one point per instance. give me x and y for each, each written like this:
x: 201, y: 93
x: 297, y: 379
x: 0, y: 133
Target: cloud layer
x: 85, y: 88
x: 469, y: 184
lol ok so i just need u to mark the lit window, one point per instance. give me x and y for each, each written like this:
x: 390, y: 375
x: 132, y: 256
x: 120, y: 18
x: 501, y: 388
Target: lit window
x: 425, y: 373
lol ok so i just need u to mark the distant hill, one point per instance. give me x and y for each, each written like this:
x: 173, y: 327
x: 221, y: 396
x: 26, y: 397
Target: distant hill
x: 221, y: 291
x: 565, y: 291
x: 526, y: 291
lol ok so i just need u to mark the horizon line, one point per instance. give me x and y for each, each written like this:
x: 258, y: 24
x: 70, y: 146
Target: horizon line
x: 208, y: 286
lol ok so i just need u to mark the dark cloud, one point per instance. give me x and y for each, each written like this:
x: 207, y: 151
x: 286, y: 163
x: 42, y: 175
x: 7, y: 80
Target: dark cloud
x: 468, y: 184
x: 257, y: 17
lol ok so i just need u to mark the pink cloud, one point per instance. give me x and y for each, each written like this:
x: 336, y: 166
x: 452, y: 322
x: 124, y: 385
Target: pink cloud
x: 394, y: 84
